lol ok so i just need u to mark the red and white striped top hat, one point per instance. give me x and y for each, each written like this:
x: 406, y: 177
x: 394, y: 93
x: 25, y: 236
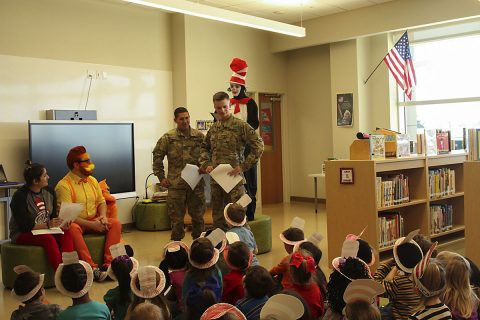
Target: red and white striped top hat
x: 239, y: 68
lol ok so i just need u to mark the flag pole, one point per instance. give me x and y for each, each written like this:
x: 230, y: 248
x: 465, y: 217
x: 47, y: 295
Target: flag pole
x: 378, y: 65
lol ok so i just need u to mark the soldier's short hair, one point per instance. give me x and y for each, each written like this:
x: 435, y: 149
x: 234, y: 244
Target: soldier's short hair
x: 236, y: 212
x: 221, y: 95
x: 179, y: 110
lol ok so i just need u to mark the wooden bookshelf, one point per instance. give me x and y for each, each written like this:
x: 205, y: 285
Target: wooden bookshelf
x: 472, y: 208
x: 351, y: 207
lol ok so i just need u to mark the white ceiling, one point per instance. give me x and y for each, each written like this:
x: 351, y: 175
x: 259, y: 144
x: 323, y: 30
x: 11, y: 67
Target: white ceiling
x: 289, y: 11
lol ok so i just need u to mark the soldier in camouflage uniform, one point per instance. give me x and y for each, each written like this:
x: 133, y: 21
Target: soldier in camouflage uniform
x: 225, y: 143
x: 181, y: 146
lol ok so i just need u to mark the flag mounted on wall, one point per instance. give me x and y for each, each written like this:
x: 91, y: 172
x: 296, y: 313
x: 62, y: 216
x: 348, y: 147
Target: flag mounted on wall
x: 399, y: 61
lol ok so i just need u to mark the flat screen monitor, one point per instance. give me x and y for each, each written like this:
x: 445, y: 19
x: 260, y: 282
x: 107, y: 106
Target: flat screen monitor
x: 110, y: 145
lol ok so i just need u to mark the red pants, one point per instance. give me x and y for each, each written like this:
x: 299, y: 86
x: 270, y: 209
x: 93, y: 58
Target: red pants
x: 112, y: 237
x: 54, y: 244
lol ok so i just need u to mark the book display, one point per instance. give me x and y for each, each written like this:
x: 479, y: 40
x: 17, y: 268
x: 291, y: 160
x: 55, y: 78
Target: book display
x: 393, y: 197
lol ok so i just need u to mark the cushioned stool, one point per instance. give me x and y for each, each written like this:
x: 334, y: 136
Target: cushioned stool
x: 151, y: 216
x: 35, y: 258
x: 262, y: 231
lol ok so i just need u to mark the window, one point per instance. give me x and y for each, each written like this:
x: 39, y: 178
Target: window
x: 447, y: 95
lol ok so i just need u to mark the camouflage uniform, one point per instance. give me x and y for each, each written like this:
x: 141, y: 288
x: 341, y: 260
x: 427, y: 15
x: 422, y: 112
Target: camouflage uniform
x: 225, y: 143
x: 181, y: 150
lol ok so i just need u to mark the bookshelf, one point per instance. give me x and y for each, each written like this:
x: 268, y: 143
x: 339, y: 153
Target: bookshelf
x: 472, y: 208
x: 351, y: 207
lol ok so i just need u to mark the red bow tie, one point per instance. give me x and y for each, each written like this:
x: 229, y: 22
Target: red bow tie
x: 238, y: 102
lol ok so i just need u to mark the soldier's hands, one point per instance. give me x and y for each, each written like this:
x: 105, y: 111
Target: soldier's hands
x: 235, y: 171
x: 209, y: 169
x: 165, y: 183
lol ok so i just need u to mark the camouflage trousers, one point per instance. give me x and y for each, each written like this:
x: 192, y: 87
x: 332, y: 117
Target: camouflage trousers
x: 220, y: 199
x: 178, y: 200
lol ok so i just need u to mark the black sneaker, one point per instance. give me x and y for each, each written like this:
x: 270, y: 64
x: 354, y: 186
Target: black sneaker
x: 99, y: 275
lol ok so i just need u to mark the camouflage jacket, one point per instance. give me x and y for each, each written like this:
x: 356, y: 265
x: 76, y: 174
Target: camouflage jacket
x: 180, y: 150
x: 225, y: 143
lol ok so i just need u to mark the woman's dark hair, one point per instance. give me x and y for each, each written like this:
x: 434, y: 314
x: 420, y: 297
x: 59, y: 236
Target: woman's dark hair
x: 352, y: 268
x: 32, y: 172
x: 74, y: 277
x: 239, y: 255
x: 306, y: 308
x: 258, y: 282
x: 121, y: 267
x: 205, y: 300
x: 25, y: 282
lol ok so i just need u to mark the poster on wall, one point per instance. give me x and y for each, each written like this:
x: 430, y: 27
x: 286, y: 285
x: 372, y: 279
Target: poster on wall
x: 204, y: 125
x: 266, y: 122
x: 344, y: 109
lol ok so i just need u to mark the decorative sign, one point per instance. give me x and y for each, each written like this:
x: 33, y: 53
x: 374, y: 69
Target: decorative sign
x: 204, y: 125
x: 266, y: 122
x: 346, y: 176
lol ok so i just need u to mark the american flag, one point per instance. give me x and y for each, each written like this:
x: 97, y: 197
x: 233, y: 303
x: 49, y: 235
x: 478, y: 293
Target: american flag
x: 399, y: 61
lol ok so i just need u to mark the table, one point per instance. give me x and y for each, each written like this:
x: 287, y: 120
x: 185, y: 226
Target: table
x: 315, y: 176
x: 7, y: 189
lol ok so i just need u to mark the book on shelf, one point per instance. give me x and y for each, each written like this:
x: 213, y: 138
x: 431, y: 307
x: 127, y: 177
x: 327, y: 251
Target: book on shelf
x: 403, y: 146
x: 377, y: 147
x: 441, y: 218
x: 443, y: 141
x: 420, y: 143
x: 392, y: 190
x: 471, y: 138
x: 390, y: 228
x: 431, y: 142
x: 441, y: 182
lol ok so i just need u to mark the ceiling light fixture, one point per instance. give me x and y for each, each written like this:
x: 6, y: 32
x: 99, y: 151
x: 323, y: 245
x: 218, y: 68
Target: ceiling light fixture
x: 218, y: 14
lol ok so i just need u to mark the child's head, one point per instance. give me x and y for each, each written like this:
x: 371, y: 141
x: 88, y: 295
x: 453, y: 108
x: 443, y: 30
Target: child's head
x: 147, y: 311
x: 360, y: 298
x: 312, y: 249
x: 424, y: 244
x: 73, y: 277
x: 238, y: 256
x: 365, y: 252
x: 202, y: 254
x: 282, y: 307
x: 407, y: 253
x: 257, y: 282
x: 217, y: 237
x: 362, y: 310
x: 290, y: 237
x: 429, y: 276
x: 175, y: 254
x: 28, y: 285
x: 222, y: 311
x: 235, y: 215
x: 345, y: 271
x: 301, y: 267
x: 201, y: 302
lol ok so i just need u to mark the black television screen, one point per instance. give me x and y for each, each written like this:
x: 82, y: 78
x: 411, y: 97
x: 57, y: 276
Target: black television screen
x: 110, y: 145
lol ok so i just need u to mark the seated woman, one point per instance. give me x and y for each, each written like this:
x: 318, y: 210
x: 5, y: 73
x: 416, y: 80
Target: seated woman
x: 34, y: 207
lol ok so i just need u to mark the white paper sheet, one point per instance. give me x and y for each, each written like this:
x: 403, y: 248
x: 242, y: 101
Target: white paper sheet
x: 220, y: 175
x: 55, y: 230
x: 191, y: 176
x: 69, y: 211
x: 244, y: 201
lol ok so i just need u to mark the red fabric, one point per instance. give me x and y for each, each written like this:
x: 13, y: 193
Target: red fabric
x: 312, y: 296
x: 282, y: 269
x: 238, y: 102
x: 297, y: 259
x: 54, y: 244
x: 233, y: 287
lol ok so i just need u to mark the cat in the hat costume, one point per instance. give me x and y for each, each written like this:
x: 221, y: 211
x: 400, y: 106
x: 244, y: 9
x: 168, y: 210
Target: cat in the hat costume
x: 246, y: 109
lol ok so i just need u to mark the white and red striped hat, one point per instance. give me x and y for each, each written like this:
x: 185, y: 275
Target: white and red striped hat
x: 239, y: 68
x: 419, y: 270
x: 220, y: 309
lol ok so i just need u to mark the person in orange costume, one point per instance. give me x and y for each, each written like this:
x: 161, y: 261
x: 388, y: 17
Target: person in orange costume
x: 112, y: 209
x: 79, y: 186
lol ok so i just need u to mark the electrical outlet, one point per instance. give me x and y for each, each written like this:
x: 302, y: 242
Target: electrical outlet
x: 91, y: 74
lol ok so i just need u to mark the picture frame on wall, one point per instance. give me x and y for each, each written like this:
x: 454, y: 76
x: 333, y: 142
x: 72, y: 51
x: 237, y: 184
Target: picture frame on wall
x: 344, y: 109
x: 346, y: 176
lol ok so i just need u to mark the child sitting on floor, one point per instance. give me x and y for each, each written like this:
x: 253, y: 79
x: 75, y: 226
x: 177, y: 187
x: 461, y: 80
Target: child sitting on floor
x: 360, y: 297
x: 238, y: 258
x: 429, y: 279
x: 235, y: 216
x: 290, y: 237
x: 258, y: 284
x: 119, y: 298
x: 74, y: 279
x: 28, y: 289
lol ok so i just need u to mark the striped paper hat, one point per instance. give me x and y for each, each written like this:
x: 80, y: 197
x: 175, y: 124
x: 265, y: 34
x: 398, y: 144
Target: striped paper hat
x: 419, y: 270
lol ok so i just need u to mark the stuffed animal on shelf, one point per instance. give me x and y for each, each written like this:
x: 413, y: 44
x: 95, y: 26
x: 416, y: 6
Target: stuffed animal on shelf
x: 112, y: 210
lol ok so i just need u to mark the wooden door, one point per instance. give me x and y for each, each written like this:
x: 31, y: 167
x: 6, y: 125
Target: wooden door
x: 271, y: 163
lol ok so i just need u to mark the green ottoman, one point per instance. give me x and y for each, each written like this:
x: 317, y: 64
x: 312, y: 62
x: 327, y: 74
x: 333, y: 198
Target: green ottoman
x: 151, y: 216
x: 35, y: 258
x: 262, y: 231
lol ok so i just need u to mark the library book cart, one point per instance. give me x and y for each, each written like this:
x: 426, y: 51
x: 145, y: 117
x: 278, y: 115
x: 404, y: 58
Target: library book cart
x: 431, y: 198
